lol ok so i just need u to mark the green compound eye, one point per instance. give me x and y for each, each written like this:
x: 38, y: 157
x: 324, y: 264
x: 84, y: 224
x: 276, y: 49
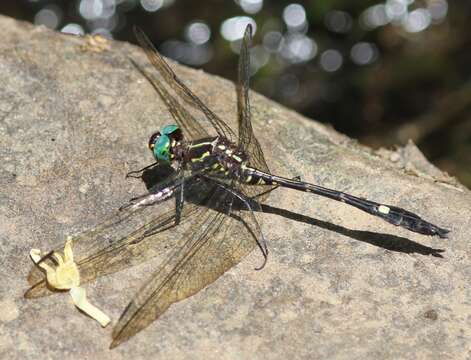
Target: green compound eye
x: 159, y: 142
x: 161, y: 148
x: 169, y: 129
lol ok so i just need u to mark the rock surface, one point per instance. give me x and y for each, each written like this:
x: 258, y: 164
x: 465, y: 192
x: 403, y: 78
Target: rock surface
x: 75, y: 117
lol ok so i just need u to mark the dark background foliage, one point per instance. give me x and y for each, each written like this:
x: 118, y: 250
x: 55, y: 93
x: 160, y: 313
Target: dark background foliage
x: 380, y: 71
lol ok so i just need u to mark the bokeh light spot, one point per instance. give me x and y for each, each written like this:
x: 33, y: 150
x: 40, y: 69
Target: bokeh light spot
x: 74, y: 29
x: 294, y: 16
x: 233, y: 29
x: 251, y: 6
x: 331, y: 60
x: 49, y: 16
x: 272, y: 41
x: 197, y: 32
x: 338, y: 21
x: 438, y: 9
x: 417, y: 20
x: 363, y: 53
x: 374, y: 16
x: 152, y: 5
x: 298, y: 48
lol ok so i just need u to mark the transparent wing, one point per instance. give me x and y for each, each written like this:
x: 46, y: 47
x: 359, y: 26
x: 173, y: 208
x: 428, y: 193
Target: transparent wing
x: 247, y: 139
x: 191, y: 128
x: 125, y: 239
x: 243, y: 103
x: 215, y: 242
x: 180, y: 88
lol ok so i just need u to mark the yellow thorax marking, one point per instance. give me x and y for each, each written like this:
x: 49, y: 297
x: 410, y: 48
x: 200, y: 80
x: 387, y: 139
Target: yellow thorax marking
x: 201, y: 158
x: 236, y: 158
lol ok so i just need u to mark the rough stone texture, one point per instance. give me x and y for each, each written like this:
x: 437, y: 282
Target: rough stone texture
x: 74, y: 118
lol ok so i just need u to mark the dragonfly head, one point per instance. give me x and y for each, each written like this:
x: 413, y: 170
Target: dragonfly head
x: 162, y: 142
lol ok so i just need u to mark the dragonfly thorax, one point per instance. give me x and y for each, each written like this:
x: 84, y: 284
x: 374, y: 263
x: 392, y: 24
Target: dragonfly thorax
x: 213, y: 155
x: 216, y: 155
x: 230, y: 157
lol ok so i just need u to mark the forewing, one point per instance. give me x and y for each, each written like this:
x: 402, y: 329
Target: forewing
x: 125, y: 239
x: 243, y: 104
x: 180, y: 88
x: 186, y: 121
x: 213, y: 244
x: 247, y: 139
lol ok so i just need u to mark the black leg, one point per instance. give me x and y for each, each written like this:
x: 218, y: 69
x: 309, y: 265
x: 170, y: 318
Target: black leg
x: 179, y: 203
x: 133, y: 173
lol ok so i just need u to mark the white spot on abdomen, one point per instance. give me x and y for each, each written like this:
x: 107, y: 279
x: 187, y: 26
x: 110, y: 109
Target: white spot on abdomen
x: 383, y: 209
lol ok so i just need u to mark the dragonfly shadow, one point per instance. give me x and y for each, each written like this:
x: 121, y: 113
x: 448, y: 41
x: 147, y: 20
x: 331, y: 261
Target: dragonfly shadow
x: 385, y: 241
x: 155, y: 174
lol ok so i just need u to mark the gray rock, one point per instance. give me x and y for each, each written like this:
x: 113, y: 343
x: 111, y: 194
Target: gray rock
x: 75, y: 117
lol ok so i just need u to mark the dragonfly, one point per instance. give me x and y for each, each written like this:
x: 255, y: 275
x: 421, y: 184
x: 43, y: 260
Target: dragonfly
x: 202, y: 218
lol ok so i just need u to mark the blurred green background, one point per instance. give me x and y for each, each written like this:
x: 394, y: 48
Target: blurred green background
x: 379, y: 71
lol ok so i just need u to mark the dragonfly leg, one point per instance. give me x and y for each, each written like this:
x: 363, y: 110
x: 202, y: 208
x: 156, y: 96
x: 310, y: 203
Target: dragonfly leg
x: 133, y: 174
x: 158, y: 196
x: 179, y: 203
